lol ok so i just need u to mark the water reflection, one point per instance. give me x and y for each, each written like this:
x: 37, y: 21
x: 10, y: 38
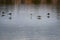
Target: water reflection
x: 21, y: 27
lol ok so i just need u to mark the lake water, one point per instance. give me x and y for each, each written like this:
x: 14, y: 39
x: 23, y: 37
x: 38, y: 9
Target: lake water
x: 25, y: 24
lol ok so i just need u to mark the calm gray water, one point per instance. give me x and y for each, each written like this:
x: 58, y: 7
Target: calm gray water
x: 23, y: 26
